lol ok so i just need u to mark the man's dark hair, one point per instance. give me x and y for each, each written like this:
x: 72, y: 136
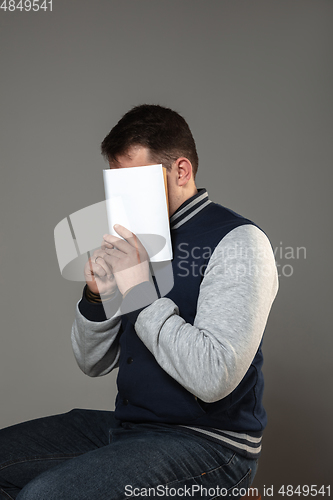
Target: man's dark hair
x: 163, y: 131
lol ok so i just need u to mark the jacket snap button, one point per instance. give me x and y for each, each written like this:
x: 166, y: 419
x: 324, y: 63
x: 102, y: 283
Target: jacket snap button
x: 125, y: 402
x: 129, y: 360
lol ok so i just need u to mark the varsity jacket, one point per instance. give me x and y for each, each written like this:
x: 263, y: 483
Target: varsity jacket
x: 192, y: 358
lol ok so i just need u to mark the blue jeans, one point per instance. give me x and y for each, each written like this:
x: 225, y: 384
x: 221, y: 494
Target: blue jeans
x: 89, y: 455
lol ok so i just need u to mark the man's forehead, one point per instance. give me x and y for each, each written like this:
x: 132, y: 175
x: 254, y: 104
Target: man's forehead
x: 135, y: 155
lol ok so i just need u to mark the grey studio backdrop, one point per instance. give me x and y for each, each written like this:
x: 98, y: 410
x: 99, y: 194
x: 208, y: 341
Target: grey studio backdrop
x: 254, y: 80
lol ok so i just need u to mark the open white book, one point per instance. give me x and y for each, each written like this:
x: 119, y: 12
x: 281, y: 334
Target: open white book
x: 136, y: 198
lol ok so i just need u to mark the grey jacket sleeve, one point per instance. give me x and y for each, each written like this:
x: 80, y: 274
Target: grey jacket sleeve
x: 210, y: 357
x: 95, y: 344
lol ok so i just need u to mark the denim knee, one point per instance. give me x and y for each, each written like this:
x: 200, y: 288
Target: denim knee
x: 39, y: 489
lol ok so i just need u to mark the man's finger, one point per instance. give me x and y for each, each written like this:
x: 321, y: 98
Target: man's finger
x: 130, y: 237
x: 113, y: 253
x: 106, y: 245
x: 126, y: 234
x: 123, y: 231
x: 119, y: 243
x: 99, y: 267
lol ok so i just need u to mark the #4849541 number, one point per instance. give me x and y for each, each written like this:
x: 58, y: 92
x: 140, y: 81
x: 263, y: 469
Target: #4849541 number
x: 304, y: 491
x: 26, y: 5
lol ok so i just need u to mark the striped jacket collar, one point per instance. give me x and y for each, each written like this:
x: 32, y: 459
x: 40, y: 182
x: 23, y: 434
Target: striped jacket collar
x: 189, y: 208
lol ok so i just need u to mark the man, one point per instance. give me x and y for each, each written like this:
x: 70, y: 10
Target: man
x: 189, y: 415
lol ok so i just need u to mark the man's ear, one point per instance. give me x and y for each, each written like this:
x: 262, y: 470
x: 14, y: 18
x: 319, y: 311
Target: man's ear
x: 184, y: 171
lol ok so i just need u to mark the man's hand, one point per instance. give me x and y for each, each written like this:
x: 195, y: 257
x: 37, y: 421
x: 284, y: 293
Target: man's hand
x: 127, y: 258
x: 98, y: 274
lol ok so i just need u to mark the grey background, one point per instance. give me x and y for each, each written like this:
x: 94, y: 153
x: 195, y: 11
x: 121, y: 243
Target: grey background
x: 254, y: 80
